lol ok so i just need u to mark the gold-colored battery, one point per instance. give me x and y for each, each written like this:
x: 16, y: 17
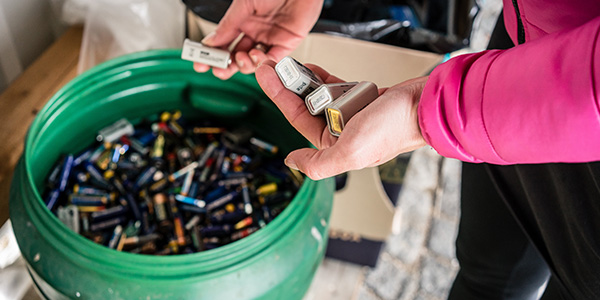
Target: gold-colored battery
x: 335, y: 122
x: 339, y: 112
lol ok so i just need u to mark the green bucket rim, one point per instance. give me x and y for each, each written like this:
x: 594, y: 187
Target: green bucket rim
x: 206, y: 263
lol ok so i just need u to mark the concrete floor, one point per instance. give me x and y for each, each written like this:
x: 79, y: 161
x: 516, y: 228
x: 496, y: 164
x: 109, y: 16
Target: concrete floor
x: 419, y: 261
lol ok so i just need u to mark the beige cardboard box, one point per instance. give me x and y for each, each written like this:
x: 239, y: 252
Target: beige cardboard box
x: 362, y: 213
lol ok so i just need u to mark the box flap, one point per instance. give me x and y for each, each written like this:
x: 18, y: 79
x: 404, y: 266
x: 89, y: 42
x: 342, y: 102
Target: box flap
x: 362, y: 206
x: 356, y: 60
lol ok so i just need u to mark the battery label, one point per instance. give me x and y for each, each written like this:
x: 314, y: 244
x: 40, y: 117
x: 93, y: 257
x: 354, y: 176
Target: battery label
x: 296, y: 77
x: 197, y: 52
x: 288, y: 73
x: 321, y: 98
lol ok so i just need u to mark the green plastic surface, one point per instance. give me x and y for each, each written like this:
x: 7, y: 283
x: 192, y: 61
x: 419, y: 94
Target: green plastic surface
x: 276, y: 262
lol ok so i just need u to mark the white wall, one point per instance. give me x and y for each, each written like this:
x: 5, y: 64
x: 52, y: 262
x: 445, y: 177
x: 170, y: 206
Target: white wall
x: 27, y: 28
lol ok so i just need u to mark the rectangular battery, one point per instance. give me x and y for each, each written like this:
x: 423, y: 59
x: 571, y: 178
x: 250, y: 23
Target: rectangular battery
x: 325, y: 94
x: 197, y: 52
x: 296, y: 77
x: 347, y: 105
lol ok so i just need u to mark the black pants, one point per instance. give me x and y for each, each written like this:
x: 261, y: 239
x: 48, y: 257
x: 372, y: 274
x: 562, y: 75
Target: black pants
x: 523, y: 225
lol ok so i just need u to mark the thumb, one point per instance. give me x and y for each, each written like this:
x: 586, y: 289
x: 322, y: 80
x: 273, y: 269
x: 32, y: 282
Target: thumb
x: 228, y: 28
x: 319, y: 164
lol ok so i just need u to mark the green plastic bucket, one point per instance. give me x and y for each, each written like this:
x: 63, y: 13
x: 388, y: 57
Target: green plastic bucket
x: 276, y: 262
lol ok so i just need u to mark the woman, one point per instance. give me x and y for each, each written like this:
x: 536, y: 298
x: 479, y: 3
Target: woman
x: 525, y: 119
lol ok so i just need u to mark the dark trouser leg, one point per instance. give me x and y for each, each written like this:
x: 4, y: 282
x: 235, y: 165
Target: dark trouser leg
x: 558, y: 206
x: 497, y: 260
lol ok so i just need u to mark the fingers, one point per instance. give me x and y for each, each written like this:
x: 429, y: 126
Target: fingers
x: 292, y: 106
x: 201, y: 68
x: 229, y: 26
x: 246, y: 58
x: 248, y: 55
x: 277, y: 52
x: 218, y: 72
x: 248, y: 61
x: 257, y: 56
x: 324, y: 75
x: 226, y: 32
x: 319, y: 164
x: 225, y: 74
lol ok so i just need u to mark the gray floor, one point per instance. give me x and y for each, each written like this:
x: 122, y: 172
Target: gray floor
x: 419, y: 261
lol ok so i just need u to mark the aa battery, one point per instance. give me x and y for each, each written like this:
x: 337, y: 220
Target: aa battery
x: 113, y: 132
x: 197, y: 52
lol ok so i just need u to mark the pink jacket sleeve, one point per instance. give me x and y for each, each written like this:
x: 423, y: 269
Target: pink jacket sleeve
x: 535, y: 103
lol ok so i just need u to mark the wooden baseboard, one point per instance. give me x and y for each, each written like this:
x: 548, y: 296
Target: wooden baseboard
x: 25, y: 97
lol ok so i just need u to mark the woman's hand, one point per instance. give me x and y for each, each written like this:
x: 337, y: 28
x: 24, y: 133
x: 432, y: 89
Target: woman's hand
x: 381, y: 131
x: 271, y: 29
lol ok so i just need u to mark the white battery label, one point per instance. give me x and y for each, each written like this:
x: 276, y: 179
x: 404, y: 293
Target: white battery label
x: 288, y: 73
x: 325, y: 94
x: 296, y: 77
x: 321, y: 97
x: 197, y: 52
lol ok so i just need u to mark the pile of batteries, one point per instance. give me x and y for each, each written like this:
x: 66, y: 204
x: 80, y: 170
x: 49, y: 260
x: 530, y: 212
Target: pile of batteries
x: 338, y: 101
x: 170, y: 186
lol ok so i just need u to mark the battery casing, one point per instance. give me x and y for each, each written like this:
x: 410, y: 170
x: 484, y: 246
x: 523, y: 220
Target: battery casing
x: 114, y: 131
x: 296, y: 77
x: 325, y: 94
x: 197, y: 52
x: 347, y: 105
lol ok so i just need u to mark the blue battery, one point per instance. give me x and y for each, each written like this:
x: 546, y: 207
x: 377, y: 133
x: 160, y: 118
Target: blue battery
x: 190, y: 201
x: 215, y: 194
x: 52, y: 199
x: 82, y: 157
x: 66, y: 171
x: 217, y: 230
x: 109, y: 213
x: 222, y: 200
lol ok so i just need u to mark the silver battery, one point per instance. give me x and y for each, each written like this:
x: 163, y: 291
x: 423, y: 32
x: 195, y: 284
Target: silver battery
x: 197, y: 52
x: 296, y: 77
x: 69, y: 216
x: 114, y: 131
x: 325, y: 94
x: 347, y: 105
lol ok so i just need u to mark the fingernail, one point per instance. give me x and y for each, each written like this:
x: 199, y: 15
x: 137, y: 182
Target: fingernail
x: 291, y: 164
x: 254, y: 58
x: 208, y: 38
x: 240, y: 63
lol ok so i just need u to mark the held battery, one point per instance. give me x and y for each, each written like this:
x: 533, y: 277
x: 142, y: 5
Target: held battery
x: 296, y: 77
x: 197, y: 52
x: 325, y: 94
x: 347, y: 105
